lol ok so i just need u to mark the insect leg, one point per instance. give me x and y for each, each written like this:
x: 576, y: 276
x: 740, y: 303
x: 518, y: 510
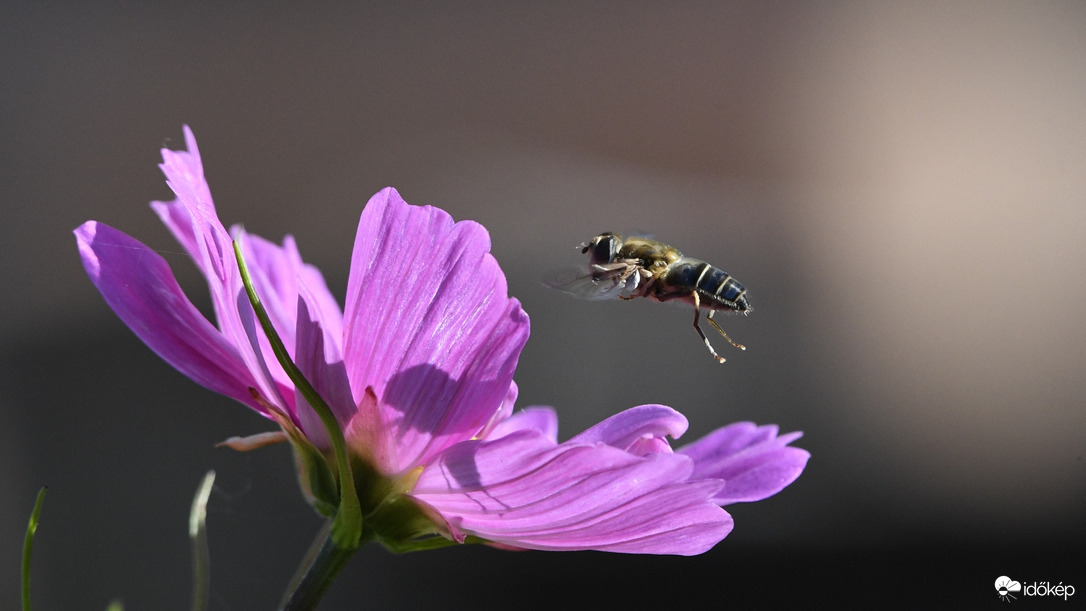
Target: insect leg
x: 713, y: 322
x: 697, y: 309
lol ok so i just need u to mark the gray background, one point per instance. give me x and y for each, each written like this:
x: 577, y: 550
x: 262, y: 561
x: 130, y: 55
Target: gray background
x: 899, y: 185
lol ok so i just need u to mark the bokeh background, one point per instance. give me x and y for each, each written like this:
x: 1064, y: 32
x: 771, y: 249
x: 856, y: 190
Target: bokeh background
x: 901, y: 186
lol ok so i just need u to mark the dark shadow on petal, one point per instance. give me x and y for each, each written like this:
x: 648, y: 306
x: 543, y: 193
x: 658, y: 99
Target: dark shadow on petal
x: 455, y: 392
x: 416, y: 391
x: 431, y: 403
x: 458, y: 464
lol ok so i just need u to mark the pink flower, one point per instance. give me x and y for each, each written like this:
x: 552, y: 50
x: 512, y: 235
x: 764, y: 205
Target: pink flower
x: 418, y: 371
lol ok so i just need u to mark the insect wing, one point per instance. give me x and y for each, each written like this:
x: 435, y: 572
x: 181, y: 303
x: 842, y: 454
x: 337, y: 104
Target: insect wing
x: 596, y: 282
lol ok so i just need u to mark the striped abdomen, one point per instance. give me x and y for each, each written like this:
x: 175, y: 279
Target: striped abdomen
x: 716, y: 289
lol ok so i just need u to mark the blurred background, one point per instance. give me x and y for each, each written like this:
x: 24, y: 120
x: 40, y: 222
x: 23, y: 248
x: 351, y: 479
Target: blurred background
x: 900, y: 186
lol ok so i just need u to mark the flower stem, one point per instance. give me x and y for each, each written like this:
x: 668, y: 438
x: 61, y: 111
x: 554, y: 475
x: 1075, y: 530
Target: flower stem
x: 319, y: 568
x: 28, y: 546
x: 344, y: 532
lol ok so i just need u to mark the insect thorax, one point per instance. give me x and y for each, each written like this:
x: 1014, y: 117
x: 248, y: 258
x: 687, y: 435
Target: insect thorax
x: 650, y: 252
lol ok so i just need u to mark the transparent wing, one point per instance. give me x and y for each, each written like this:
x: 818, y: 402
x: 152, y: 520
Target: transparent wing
x: 596, y: 282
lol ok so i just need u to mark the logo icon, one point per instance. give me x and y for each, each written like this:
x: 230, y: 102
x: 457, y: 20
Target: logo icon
x: 1005, y: 585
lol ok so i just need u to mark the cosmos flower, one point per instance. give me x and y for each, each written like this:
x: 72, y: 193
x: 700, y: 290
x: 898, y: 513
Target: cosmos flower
x: 418, y: 372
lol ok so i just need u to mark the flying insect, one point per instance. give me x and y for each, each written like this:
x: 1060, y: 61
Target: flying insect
x: 632, y: 267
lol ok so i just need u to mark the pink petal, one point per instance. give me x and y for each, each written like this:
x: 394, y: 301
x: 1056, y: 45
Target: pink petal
x: 140, y: 287
x: 523, y: 490
x: 541, y: 419
x: 365, y: 435
x: 280, y: 277
x: 503, y: 413
x: 429, y: 325
x: 185, y: 174
x: 317, y: 355
x: 638, y: 430
x: 753, y: 460
x: 276, y: 270
x: 193, y: 220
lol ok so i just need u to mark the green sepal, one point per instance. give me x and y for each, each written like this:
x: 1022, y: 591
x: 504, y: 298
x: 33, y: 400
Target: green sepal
x: 316, y: 479
x: 315, y: 475
x: 399, y: 519
x: 416, y: 545
x: 403, y: 525
x: 427, y: 543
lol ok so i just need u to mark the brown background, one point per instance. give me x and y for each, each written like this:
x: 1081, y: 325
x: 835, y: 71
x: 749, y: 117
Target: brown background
x: 901, y: 186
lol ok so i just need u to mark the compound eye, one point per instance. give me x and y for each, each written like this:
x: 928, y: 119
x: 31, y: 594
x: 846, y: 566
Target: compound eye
x: 603, y: 248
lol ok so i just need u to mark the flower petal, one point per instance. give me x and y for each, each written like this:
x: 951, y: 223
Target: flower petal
x: 753, y: 460
x: 139, y: 286
x: 317, y: 356
x: 193, y: 220
x: 638, y: 430
x: 523, y: 490
x: 542, y: 419
x: 502, y: 414
x: 276, y: 270
x: 429, y: 325
x: 185, y: 174
x: 280, y: 278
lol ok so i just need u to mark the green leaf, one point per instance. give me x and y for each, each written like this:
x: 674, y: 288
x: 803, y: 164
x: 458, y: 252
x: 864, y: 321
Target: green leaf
x: 28, y: 546
x: 201, y: 556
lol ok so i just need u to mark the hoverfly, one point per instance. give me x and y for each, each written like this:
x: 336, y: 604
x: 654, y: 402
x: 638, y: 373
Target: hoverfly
x: 627, y: 268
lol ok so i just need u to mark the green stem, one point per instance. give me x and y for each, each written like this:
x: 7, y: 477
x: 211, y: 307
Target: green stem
x: 201, y: 556
x: 345, y: 531
x: 28, y: 546
x: 319, y: 568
